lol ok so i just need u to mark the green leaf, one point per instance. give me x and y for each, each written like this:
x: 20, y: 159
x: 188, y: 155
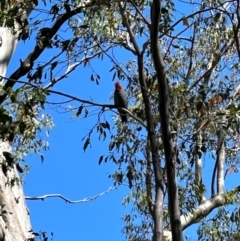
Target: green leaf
x: 86, y: 113
x: 100, y: 160
x: 204, y: 149
x: 86, y: 144
x: 106, y: 158
x: 111, y: 145
x: 128, y: 148
x: 114, y: 159
x: 164, y: 10
x: 107, y: 125
x: 112, y: 69
x: 54, y: 10
x: 42, y: 158
x: 22, y: 127
x: 114, y: 76
x: 54, y: 64
x: 79, y: 111
x: 139, y: 128
x: 175, y: 46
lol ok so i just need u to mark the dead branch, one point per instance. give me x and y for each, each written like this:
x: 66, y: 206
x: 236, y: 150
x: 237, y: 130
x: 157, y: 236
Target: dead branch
x: 42, y: 198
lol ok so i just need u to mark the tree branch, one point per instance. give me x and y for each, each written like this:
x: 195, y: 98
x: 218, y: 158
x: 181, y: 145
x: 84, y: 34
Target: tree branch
x: 41, y: 45
x: 212, y: 64
x: 89, y: 102
x: 148, y: 182
x: 159, y: 190
x: 207, y: 207
x: 70, y: 69
x: 198, y: 169
x: 68, y: 200
x: 158, y: 215
x: 221, y: 163
x: 219, y: 167
x: 213, y: 179
x: 170, y: 156
x: 131, y: 35
x: 139, y: 12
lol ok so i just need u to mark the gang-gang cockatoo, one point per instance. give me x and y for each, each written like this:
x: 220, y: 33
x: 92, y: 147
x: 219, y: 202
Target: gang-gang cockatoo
x: 120, y: 100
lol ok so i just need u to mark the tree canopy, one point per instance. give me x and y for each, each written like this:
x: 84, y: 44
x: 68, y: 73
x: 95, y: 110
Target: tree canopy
x: 180, y: 64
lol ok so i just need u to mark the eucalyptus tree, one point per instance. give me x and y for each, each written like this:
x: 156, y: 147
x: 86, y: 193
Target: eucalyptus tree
x: 181, y: 68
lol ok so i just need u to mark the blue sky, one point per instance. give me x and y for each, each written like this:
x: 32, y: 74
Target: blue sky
x: 70, y: 171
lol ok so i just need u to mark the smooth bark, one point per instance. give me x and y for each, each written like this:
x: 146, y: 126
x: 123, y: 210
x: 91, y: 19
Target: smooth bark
x: 170, y: 154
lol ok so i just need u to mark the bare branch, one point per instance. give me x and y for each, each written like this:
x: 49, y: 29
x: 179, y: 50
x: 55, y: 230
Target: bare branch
x: 215, y: 58
x: 131, y: 35
x: 148, y: 183
x: 213, y: 179
x: 116, y: 63
x: 201, y: 127
x: 190, y: 16
x: 70, y: 69
x: 134, y: 117
x: 140, y: 13
x: 89, y: 102
x: 198, y: 169
x: 68, y: 200
x: 207, y: 207
x: 100, y: 105
x: 191, y: 55
x: 220, y: 168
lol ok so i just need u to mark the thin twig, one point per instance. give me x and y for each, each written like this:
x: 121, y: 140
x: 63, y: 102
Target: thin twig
x: 88, y: 199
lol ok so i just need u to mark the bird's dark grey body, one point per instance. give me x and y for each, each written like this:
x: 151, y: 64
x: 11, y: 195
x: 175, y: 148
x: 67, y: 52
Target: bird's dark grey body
x: 120, y: 100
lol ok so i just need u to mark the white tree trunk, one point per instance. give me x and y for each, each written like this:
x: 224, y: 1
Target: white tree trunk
x: 14, y: 221
x: 8, y: 43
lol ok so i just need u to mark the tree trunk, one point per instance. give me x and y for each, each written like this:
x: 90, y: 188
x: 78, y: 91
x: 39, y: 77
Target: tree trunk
x: 7, y: 47
x: 14, y: 221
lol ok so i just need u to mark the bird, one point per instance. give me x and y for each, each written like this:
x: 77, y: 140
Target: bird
x: 120, y: 100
